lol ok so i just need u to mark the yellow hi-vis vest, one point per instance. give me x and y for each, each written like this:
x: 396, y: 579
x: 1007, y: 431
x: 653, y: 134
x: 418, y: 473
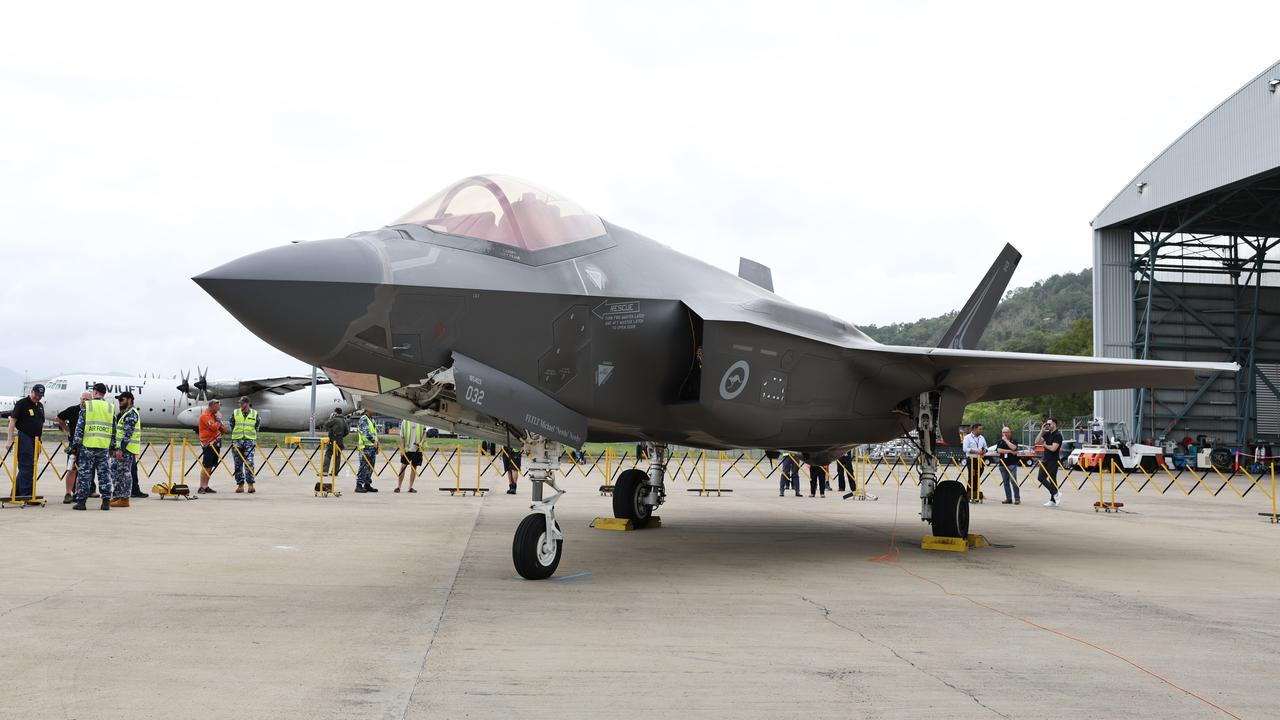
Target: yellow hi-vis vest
x: 361, y: 442
x: 97, y: 425
x: 135, y: 441
x: 412, y: 434
x: 246, y: 425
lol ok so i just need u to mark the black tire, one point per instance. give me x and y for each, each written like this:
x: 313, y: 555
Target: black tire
x: 1149, y: 464
x: 525, y: 549
x: 628, y: 493
x: 951, y: 509
x: 1222, y: 459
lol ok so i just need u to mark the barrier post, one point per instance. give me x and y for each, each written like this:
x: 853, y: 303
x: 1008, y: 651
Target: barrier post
x: 35, y: 498
x: 1273, y: 491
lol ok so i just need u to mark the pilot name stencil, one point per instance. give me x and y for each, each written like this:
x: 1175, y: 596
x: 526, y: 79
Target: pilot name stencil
x: 620, y: 315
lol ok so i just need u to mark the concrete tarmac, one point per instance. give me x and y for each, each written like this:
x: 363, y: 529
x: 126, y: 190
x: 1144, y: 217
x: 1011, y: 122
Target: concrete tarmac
x: 283, y: 605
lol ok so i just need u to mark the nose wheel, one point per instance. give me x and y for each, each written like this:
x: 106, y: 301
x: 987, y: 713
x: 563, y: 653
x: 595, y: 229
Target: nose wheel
x: 538, y: 542
x: 537, y: 546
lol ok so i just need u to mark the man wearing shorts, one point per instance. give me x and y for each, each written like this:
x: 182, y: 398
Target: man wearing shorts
x: 511, y: 467
x: 211, y: 429
x: 411, y: 434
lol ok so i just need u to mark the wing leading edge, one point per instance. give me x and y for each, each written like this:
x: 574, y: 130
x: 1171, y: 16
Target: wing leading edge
x: 982, y: 375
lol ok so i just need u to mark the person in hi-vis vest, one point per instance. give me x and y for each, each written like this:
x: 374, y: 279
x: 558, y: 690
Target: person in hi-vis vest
x: 411, y: 434
x: 92, y: 440
x: 244, y: 442
x: 126, y: 444
x: 367, y: 445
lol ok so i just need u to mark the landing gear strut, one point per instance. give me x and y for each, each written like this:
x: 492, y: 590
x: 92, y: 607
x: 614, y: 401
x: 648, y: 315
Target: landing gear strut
x: 538, y: 542
x: 636, y: 494
x: 943, y: 504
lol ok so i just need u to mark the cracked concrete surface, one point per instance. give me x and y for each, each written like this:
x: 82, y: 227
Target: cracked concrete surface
x: 754, y: 606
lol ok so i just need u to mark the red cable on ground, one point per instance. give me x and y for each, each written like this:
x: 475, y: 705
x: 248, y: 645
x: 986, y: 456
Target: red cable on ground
x: 894, y: 553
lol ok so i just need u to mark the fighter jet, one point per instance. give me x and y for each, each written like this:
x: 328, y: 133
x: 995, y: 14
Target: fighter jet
x: 510, y: 313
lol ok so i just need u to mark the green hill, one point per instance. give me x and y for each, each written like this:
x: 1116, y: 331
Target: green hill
x: 1051, y: 316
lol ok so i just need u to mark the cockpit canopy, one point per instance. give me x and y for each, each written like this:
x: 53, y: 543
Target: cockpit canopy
x: 505, y: 210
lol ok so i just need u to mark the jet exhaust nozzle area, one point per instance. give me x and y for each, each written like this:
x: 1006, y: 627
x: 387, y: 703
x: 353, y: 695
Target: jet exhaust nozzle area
x: 301, y: 298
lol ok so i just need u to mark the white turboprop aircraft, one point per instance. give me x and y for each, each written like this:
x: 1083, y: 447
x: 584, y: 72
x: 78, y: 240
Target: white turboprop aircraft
x: 6, y: 404
x: 283, y: 403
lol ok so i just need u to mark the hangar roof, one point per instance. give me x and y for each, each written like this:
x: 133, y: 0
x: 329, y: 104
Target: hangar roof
x: 1222, y: 176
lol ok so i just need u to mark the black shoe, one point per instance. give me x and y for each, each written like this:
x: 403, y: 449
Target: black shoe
x: 1006, y: 502
x: 106, y: 503
x: 211, y: 491
x: 412, y: 490
x: 396, y: 490
x: 139, y: 494
x: 370, y: 488
x: 511, y: 490
x: 67, y: 499
x: 361, y: 489
x: 79, y: 505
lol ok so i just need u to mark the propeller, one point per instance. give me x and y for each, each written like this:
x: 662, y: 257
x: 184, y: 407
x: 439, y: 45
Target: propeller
x: 202, y: 383
x: 185, y: 387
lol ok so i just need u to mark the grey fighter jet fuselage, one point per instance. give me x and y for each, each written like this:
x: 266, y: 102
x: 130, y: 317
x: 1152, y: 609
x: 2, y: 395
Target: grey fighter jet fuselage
x: 512, y: 313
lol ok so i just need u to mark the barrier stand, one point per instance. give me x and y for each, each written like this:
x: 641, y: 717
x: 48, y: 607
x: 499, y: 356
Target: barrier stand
x: 13, y: 498
x: 480, y: 453
x: 702, y: 489
x: 328, y: 471
x: 457, y: 489
x: 1102, y: 504
x: 170, y: 488
x: 1272, y: 516
x: 607, y: 488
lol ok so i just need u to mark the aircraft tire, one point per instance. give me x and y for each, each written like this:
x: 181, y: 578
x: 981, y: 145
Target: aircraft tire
x: 526, y: 549
x: 628, y: 490
x: 950, y: 510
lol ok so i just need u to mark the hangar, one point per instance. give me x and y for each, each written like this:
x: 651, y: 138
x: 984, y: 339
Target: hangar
x: 1186, y: 267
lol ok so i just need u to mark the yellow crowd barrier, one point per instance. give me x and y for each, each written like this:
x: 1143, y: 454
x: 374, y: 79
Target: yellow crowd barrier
x: 705, y: 472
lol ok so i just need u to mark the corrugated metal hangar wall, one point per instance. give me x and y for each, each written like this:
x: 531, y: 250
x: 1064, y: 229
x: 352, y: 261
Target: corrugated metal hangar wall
x: 1187, y: 267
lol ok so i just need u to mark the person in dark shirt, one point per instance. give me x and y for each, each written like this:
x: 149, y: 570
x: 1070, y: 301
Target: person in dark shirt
x: 790, y: 475
x: 1007, y: 450
x: 26, y: 423
x: 67, y: 421
x: 1051, y: 440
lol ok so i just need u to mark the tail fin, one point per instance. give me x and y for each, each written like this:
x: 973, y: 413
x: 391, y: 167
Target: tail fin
x: 972, y: 321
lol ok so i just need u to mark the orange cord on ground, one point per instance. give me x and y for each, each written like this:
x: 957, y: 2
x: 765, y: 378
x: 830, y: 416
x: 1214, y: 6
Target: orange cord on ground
x: 894, y: 553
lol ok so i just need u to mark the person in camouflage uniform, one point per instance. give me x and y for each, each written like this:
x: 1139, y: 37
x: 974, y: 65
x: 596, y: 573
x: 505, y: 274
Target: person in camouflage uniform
x: 367, y: 443
x: 244, y: 441
x: 92, y: 441
x: 126, y: 437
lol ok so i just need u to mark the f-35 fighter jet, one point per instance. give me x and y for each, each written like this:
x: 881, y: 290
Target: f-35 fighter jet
x: 509, y: 313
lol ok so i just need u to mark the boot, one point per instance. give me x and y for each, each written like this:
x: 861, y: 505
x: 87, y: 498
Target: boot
x: 68, y: 499
x: 79, y: 505
x: 239, y: 487
x: 251, y: 490
x: 120, y: 502
x: 106, y: 503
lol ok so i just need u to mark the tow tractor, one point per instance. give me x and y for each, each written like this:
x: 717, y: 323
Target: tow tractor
x: 1100, y: 443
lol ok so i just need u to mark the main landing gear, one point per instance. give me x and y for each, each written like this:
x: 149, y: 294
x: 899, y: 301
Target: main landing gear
x: 943, y: 504
x: 636, y: 494
x: 538, y: 542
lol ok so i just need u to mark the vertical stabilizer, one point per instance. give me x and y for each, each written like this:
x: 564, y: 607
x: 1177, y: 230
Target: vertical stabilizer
x: 972, y: 321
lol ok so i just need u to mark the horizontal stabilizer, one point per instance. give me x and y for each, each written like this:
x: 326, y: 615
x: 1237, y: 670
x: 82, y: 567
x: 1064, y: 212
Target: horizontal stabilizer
x: 972, y: 321
x: 755, y: 273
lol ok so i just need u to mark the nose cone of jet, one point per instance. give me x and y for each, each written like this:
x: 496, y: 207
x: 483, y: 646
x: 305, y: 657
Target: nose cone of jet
x: 301, y: 298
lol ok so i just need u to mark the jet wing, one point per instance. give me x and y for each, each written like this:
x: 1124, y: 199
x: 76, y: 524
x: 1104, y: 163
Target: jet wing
x: 982, y: 375
x: 279, y: 385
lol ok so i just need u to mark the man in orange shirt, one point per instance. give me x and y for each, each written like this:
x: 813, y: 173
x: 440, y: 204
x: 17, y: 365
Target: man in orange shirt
x: 211, y: 429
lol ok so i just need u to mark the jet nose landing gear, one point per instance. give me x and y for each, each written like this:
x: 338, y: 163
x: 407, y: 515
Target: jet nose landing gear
x: 538, y: 542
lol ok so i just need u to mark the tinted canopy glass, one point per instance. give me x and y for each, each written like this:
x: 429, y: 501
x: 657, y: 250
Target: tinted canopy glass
x: 505, y: 210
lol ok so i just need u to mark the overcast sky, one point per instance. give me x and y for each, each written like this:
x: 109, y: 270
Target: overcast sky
x: 876, y: 155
